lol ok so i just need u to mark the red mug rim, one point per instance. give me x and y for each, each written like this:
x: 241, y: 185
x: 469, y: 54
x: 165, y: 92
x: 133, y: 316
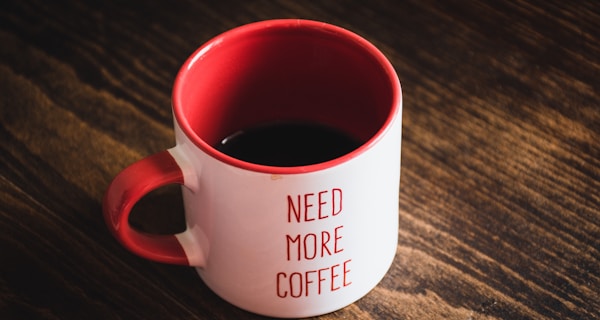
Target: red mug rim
x: 180, y: 118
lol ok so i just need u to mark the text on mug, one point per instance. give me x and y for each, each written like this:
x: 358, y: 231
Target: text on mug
x: 303, y: 208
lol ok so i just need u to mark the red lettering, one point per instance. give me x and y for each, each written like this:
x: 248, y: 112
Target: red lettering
x: 292, y: 208
x: 310, y: 245
x: 335, y: 241
x: 306, y: 206
x: 307, y: 282
x: 324, y: 242
x: 279, y: 294
x: 289, y: 241
x: 310, y: 250
x: 321, y: 279
x: 346, y: 271
x: 335, y: 211
x: 299, y: 284
x: 321, y: 203
x: 333, y: 276
x: 298, y: 275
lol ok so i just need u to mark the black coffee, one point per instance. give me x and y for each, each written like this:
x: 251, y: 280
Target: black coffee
x: 288, y: 144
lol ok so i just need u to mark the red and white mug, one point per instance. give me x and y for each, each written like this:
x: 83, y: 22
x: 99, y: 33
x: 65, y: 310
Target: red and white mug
x: 282, y: 241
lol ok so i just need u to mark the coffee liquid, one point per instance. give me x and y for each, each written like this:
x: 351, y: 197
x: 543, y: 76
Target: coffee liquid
x: 288, y: 144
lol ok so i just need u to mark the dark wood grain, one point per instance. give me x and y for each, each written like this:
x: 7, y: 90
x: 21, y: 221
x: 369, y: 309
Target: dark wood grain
x: 500, y: 194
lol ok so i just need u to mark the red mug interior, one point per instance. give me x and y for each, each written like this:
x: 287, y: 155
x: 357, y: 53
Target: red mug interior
x: 284, y: 70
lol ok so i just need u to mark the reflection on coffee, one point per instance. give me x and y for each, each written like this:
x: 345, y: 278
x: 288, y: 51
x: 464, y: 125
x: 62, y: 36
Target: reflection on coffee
x: 288, y: 144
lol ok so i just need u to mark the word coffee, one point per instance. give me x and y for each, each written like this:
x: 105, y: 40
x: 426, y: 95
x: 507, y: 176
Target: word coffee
x: 306, y: 208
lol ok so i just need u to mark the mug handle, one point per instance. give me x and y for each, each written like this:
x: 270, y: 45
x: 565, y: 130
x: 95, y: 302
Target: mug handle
x: 127, y: 188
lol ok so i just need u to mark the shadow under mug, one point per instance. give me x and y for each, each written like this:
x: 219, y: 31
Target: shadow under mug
x: 293, y: 241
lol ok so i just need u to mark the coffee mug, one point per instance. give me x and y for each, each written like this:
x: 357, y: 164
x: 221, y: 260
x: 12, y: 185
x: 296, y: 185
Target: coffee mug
x: 287, y: 148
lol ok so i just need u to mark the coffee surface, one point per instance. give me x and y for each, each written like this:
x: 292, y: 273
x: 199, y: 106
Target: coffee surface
x: 287, y: 144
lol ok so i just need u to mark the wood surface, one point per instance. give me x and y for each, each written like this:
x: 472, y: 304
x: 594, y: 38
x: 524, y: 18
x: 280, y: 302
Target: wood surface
x: 499, y: 204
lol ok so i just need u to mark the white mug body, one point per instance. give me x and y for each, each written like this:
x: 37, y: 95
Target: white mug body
x: 292, y: 245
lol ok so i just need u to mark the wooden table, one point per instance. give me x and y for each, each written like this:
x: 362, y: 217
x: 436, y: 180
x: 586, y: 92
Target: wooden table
x: 500, y: 193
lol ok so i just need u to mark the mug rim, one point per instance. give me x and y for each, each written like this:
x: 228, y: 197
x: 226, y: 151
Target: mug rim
x: 180, y: 118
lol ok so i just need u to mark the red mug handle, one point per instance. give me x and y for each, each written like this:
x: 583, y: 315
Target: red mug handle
x: 129, y: 186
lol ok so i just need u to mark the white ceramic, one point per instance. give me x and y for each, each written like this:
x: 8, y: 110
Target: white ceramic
x: 277, y: 241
